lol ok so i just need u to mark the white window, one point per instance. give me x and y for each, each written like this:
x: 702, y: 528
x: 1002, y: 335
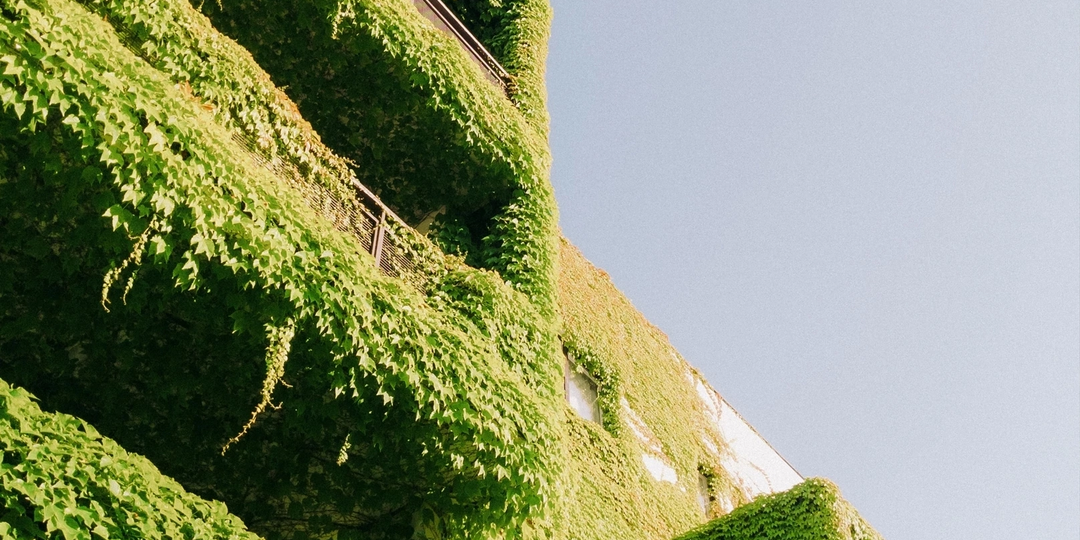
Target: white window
x: 581, y: 391
x: 703, y: 493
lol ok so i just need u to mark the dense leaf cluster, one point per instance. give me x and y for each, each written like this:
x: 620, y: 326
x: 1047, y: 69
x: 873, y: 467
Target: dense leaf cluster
x: 516, y: 33
x: 60, y: 479
x: 223, y: 79
x: 425, y: 128
x: 812, y: 510
x: 163, y: 279
x: 386, y: 411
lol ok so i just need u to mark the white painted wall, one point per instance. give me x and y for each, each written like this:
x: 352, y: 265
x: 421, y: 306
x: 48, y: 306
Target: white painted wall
x: 756, y: 467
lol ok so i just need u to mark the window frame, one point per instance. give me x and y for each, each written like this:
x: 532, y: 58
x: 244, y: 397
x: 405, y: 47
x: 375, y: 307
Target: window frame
x: 571, y: 366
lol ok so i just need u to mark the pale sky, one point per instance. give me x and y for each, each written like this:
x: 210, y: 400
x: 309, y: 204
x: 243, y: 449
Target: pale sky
x: 860, y: 221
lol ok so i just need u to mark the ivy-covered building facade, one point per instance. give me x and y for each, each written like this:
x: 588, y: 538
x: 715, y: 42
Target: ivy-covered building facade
x: 292, y: 269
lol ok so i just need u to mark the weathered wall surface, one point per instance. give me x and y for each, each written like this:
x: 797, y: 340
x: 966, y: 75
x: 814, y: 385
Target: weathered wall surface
x: 754, y: 465
x: 663, y: 426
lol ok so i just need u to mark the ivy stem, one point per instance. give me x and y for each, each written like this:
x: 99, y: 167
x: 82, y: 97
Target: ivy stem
x: 277, y: 353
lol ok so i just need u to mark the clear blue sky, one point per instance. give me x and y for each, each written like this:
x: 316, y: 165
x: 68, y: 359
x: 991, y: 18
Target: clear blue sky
x: 861, y: 221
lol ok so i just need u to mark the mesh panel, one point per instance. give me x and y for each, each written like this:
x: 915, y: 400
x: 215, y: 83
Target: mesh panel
x: 358, y: 217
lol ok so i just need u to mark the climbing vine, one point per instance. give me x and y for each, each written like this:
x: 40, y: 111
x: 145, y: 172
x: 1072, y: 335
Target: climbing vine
x: 60, y: 478
x: 516, y: 33
x: 424, y: 127
x: 386, y: 408
x: 636, y: 365
x: 810, y: 510
x: 607, y: 380
x: 178, y: 269
x: 277, y: 353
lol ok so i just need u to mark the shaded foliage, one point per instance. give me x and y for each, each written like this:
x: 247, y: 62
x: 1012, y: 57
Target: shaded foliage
x: 425, y: 128
x: 393, y: 411
x: 60, y: 479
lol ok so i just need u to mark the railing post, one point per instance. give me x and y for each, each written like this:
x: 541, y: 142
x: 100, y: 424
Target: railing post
x: 379, y: 237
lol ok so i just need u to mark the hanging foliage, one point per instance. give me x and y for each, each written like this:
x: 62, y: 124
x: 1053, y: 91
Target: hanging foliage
x: 425, y: 128
x: 383, y: 409
x: 174, y: 270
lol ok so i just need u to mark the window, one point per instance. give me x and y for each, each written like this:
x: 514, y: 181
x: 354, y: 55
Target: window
x: 704, y: 497
x: 581, y: 390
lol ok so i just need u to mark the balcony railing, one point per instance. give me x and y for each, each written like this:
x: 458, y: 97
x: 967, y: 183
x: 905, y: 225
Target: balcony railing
x: 444, y: 19
x: 399, y: 251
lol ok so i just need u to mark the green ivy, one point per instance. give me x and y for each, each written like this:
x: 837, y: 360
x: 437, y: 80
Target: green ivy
x: 385, y: 412
x: 812, y: 510
x: 174, y: 269
x: 220, y: 77
x: 515, y: 32
x: 60, y: 479
x: 425, y: 128
x: 609, y: 389
x: 632, y: 360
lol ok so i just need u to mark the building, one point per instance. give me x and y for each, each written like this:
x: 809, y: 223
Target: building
x: 304, y: 257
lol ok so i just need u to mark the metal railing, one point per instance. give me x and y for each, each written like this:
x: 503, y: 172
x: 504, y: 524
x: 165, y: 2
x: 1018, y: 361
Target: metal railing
x: 444, y: 19
x: 378, y: 229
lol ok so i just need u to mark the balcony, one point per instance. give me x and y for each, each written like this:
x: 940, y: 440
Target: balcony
x: 399, y: 251
x: 444, y: 19
x: 386, y: 90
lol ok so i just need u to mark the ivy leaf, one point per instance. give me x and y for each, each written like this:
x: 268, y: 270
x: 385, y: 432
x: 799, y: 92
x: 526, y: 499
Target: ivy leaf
x: 118, y: 216
x: 161, y: 248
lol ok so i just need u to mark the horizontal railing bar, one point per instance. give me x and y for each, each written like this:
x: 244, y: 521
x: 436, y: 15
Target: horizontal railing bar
x: 455, y: 27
